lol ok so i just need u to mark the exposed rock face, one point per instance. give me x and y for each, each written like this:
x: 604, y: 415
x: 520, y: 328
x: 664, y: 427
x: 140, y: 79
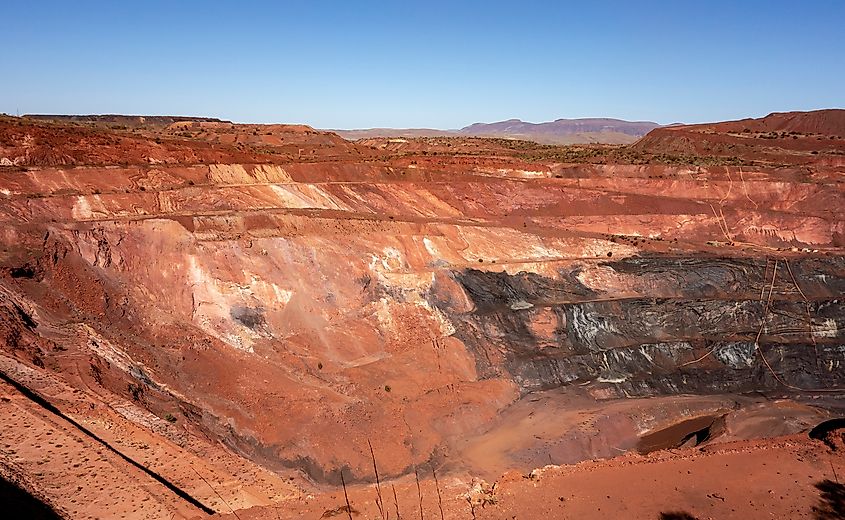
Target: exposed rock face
x: 672, y: 311
x: 299, y: 304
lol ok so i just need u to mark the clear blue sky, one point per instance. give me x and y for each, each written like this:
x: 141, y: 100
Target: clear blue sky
x: 351, y: 64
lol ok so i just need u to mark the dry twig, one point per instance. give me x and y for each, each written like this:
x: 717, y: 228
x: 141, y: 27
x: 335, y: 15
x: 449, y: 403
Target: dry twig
x: 345, y: 495
x: 379, y: 500
x: 439, y: 498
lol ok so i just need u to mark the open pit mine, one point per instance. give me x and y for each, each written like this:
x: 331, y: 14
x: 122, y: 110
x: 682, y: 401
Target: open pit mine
x: 200, y: 318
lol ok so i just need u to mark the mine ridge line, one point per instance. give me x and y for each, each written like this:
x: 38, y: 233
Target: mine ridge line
x: 364, y: 216
x: 41, y: 401
x: 471, y: 179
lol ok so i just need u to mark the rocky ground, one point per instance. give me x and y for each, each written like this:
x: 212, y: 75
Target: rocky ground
x: 201, y: 317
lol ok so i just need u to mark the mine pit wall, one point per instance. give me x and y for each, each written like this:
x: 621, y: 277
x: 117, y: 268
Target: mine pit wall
x: 681, y: 325
x: 68, y: 279
x: 166, y: 291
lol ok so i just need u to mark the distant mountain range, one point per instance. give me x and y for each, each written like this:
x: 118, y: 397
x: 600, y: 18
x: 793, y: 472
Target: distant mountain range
x: 560, y: 131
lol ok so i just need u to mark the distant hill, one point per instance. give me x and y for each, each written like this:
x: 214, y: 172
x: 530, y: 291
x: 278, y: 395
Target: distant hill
x: 781, y: 136
x: 122, y: 120
x: 368, y: 133
x: 560, y: 131
x: 565, y: 131
x: 829, y: 121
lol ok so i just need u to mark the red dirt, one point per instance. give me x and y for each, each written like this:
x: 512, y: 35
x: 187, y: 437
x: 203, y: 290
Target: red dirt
x: 819, y: 122
x: 238, y: 311
x: 27, y: 143
x: 782, y: 138
x: 756, y: 479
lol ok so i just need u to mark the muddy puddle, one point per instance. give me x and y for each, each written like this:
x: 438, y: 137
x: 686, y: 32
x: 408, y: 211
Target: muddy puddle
x: 689, y: 432
x: 562, y: 427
